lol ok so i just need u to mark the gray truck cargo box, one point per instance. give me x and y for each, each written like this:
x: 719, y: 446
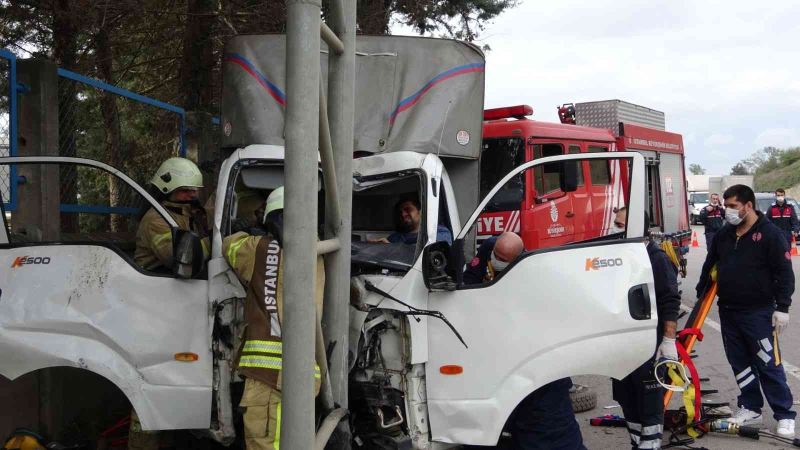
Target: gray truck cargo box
x: 609, y: 113
x: 418, y: 94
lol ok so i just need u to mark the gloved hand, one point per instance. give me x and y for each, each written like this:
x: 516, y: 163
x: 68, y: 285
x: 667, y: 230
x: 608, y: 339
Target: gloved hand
x: 667, y: 349
x: 780, y: 320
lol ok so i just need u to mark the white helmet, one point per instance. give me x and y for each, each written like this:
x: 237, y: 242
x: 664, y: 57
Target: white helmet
x: 177, y: 173
x: 274, y: 202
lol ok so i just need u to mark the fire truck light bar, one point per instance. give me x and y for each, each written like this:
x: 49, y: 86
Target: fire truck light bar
x: 518, y: 112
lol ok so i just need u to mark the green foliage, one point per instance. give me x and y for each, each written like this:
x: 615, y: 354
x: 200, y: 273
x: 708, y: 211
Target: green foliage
x: 739, y: 169
x: 697, y: 169
x: 774, y: 168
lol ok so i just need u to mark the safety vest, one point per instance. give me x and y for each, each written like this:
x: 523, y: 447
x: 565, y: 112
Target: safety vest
x: 258, y: 264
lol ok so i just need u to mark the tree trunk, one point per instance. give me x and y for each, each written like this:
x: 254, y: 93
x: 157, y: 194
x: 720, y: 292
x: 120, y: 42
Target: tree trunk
x: 111, y: 124
x: 197, y: 64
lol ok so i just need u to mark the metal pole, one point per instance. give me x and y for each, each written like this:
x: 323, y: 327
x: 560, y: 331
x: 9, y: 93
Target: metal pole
x: 341, y: 106
x: 302, y: 140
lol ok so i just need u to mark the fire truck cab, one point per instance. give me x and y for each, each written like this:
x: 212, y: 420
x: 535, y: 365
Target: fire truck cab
x: 542, y: 213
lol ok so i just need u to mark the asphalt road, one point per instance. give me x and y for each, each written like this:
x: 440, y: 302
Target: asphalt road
x: 711, y: 363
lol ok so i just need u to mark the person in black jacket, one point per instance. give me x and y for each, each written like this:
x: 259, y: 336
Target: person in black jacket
x: 639, y: 394
x: 755, y: 285
x: 713, y: 218
x: 783, y: 216
x: 544, y: 420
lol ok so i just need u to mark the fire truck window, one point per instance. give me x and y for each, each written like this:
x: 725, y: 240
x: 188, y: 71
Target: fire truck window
x: 599, y: 170
x: 575, y: 149
x: 499, y: 157
x: 547, y: 178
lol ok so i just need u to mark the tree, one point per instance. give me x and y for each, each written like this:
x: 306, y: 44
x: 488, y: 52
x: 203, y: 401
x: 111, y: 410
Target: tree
x: 739, y: 169
x: 697, y: 169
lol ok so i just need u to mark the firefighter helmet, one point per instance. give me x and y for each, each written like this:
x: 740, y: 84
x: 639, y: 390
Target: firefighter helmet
x: 177, y: 173
x: 274, y: 202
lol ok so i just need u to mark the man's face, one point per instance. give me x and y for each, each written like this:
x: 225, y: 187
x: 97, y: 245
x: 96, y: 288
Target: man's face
x: 184, y: 194
x: 715, y: 199
x: 780, y: 196
x: 620, y: 219
x: 734, y: 203
x: 409, y: 216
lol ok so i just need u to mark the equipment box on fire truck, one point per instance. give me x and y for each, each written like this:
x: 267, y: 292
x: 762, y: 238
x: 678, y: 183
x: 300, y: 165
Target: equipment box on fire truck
x: 541, y: 212
x: 432, y: 361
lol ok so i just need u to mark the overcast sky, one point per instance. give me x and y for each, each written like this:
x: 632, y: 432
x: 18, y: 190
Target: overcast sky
x: 726, y: 73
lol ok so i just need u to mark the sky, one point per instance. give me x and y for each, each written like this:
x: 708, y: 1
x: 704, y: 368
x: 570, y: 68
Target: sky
x: 725, y: 73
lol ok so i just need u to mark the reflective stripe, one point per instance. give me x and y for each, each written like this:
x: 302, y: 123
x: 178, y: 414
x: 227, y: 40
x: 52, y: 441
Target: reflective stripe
x: 262, y: 362
x: 652, y: 429
x: 747, y: 381
x: 317, y: 372
x: 764, y: 356
x: 159, y: 238
x: 635, y: 426
x: 635, y: 439
x: 277, y: 442
x: 744, y: 373
x: 765, y: 344
x: 650, y: 444
x: 233, y: 249
x: 256, y: 346
x: 205, y: 247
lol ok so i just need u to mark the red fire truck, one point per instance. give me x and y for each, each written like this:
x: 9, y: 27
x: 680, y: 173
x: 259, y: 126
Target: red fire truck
x: 539, y: 210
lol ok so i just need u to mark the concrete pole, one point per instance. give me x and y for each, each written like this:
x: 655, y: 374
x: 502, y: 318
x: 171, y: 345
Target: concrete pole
x: 341, y: 105
x: 300, y: 240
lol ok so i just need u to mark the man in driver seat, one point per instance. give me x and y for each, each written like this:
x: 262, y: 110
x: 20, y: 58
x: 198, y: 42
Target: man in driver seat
x: 408, y: 218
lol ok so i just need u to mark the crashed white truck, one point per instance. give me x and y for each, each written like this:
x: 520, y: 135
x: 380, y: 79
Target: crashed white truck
x: 433, y: 362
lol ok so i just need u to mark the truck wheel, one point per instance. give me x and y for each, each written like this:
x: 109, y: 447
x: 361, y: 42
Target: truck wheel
x: 583, y: 398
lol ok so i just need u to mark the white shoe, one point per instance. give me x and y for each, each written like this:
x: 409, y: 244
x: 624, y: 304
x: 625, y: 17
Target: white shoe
x: 786, y: 428
x: 745, y: 417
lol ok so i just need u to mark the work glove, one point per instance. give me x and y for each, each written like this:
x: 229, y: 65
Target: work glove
x: 780, y: 320
x: 667, y: 350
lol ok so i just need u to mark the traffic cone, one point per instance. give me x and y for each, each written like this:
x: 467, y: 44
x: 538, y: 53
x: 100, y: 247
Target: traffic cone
x: 794, y: 247
x: 694, y: 240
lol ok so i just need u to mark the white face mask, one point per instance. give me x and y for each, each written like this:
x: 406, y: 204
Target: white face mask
x: 615, y: 229
x: 780, y: 199
x: 732, y: 216
x: 498, y: 265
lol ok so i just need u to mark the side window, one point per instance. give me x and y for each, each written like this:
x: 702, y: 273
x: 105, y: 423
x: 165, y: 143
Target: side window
x: 500, y: 156
x: 575, y: 149
x: 69, y: 203
x: 547, y: 178
x: 599, y: 170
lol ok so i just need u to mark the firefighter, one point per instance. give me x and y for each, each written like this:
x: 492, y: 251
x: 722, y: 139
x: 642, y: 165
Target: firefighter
x: 544, y: 420
x: 639, y: 395
x: 178, y: 181
x: 783, y: 215
x: 257, y: 262
x: 756, y: 283
x: 408, y: 215
x: 713, y: 218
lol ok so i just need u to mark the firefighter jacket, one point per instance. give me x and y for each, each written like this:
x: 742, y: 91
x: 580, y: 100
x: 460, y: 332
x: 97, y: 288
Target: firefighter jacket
x: 784, y: 217
x: 258, y: 265
x: 714, y: 219
x: 154, y: 236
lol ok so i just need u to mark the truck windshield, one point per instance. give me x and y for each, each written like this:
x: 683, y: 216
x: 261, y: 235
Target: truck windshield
x: 699, y: 197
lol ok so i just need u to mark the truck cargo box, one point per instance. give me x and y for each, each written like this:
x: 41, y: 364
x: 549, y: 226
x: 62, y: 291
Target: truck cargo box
x: 609, y: 113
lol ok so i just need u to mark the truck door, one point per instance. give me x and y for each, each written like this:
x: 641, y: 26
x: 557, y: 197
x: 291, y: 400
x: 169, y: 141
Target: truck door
x: 74, y: 295
x: 580, y: 308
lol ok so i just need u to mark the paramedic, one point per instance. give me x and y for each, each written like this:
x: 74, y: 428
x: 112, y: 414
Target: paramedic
x: 783, y: 216
x: 639, y: 394
x: 756, y: 282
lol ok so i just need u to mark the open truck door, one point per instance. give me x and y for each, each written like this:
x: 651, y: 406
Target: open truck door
x: 584, y: 307
x: 74, y: 296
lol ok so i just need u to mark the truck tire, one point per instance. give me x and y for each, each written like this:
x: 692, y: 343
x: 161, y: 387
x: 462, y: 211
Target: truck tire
x: 582, y: 398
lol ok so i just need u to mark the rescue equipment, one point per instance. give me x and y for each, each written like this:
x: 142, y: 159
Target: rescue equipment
x: 24, y: 439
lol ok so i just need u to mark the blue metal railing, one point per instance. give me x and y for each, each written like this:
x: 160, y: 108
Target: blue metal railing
x: 13, y: 90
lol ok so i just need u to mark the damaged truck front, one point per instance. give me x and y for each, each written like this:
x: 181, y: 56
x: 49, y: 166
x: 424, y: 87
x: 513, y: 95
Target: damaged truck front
x: 433, y: 361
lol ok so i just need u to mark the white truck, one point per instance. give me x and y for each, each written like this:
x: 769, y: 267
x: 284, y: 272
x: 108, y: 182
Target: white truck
x: 76, y: 298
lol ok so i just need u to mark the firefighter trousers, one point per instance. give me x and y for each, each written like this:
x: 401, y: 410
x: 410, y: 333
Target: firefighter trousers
x: 545, y: 421
x: 753, y: 354
x: 262, y: 415
x: 642, y: 401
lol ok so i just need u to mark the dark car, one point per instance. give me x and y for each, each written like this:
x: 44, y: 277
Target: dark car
x: 766, y: 199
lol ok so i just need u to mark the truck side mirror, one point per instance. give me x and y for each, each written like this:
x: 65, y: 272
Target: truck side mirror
x: 569, y: 175
x: 435, y: 261
x: 187, y: 254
